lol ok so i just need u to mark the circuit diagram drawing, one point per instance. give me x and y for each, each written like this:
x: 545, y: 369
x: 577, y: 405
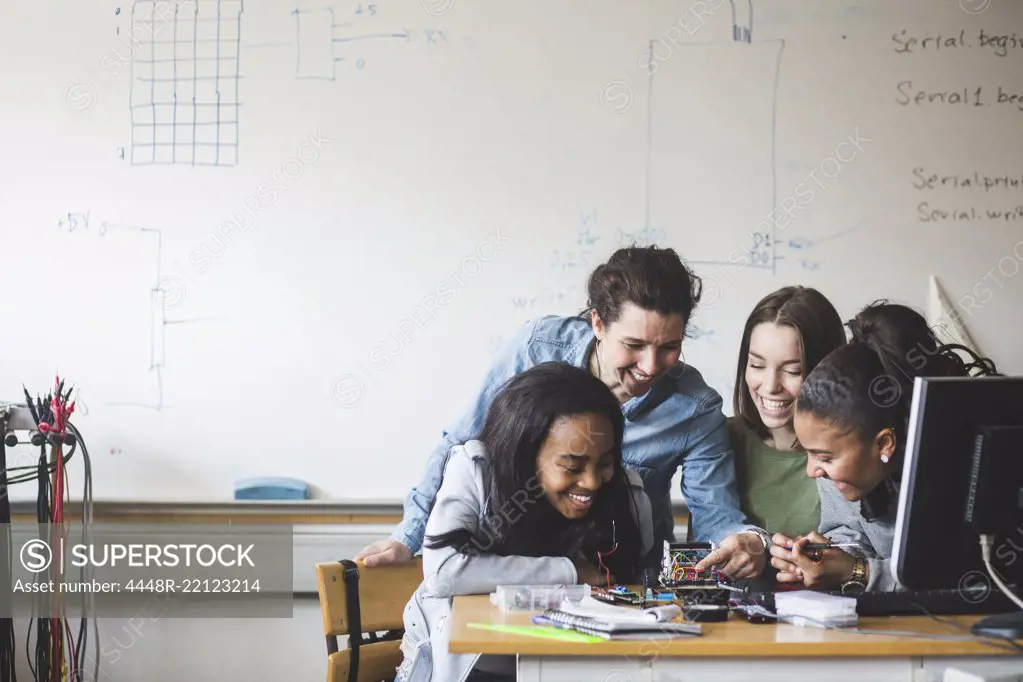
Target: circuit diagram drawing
x: 163, y: 297
x: 742, y: 20
x: 712, y: 151
x: 737, y: 139
x: 680, y: 100
x: 185, y: 77
x: 185, y: 66
x: 325, y: 37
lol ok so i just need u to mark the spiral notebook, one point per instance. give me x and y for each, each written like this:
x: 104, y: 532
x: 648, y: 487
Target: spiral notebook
x: 612, y: 625
x: 591, y: 607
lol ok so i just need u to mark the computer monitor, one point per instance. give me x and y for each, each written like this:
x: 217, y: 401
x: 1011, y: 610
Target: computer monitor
x: 962, y: 477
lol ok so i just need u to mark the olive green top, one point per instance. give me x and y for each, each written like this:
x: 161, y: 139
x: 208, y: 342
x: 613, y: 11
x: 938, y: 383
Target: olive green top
x: 774, y: 491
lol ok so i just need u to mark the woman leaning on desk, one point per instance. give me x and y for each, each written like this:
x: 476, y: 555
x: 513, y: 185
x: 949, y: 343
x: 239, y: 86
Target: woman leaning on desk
x: 640, y: 302
x: 788, y: 332
x: 852, y: 416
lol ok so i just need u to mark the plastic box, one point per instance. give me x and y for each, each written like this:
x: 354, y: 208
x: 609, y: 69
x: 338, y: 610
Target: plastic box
x: 805, y: 607
x: 536, y: 597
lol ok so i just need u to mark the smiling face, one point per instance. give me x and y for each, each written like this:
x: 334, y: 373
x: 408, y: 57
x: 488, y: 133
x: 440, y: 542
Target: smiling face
x: 841, y: 455
x: 576, y: 460
x: 637, y: 349
x: 774, y: 374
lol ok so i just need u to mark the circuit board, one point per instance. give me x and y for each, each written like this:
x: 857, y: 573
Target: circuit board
x: 618, y: 595
x: 678, y: 566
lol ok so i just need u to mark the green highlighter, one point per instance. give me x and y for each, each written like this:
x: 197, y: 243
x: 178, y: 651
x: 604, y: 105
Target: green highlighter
x: 537, y: 631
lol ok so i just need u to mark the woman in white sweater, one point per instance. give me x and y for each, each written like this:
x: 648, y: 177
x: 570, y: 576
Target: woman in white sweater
x: 541, y: 497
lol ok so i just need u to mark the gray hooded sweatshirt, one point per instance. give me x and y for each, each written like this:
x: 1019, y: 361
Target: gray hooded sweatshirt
x: 461, y: 503
x: 842, y: 521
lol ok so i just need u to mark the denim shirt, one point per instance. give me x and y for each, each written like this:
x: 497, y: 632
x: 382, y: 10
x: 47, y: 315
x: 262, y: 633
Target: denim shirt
x: 677, y: 422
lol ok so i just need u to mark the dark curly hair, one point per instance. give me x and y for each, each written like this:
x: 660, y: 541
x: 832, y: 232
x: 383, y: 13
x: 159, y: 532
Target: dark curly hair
x: 867, y: 385
x: 649, y: 277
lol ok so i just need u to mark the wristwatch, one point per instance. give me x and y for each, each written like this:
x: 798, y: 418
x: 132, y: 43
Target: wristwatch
x: 858, y: 582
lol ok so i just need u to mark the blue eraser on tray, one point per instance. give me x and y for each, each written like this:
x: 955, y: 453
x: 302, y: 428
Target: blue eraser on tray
x: 271, y: 488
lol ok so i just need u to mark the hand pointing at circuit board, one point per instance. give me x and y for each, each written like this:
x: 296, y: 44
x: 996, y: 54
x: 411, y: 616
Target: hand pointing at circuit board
x: 739, y: 556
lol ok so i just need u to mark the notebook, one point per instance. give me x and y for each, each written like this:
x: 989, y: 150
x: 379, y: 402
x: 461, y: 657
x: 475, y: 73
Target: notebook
x: 607, y: 621
x: 590, y: 607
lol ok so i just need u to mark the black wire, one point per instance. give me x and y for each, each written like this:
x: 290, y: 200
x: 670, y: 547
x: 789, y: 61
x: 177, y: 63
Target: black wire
x: 31, y: 406
x: 81, y: 645
x: 50, y: 467
x: 28, y: 640
x: 43, y: 669
x: 8, y: 644
x: 81, y: 642
x: 992, y: 640
x: 42, y: 624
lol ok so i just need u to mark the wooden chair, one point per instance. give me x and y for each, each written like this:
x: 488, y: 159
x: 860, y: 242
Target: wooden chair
x: 362, y: 603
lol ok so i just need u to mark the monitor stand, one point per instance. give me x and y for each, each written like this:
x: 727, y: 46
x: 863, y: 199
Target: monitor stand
x: 1002, y: 625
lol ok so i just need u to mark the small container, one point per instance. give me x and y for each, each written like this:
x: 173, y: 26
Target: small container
x: 808, y: 608
x: 706, y: 613
x: 537, y: 597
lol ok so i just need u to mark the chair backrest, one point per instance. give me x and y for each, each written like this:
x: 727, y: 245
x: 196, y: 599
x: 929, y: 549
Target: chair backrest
x: 356, y: 600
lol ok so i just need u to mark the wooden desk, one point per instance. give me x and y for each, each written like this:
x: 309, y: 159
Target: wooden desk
x: 732, y: 652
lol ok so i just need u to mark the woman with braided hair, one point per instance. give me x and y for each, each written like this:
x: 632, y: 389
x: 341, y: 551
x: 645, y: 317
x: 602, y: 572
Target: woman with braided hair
x: 852, y: 416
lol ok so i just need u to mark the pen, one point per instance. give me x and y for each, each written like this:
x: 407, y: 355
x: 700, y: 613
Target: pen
x: 837, y: 545
x: 543, y: 620
x: 813, y: 551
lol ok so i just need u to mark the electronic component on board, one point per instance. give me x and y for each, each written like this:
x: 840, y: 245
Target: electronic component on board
x: 618, y: 595
x: 678, y: 565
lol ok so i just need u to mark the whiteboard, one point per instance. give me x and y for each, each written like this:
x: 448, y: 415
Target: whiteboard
x: 270, y: 238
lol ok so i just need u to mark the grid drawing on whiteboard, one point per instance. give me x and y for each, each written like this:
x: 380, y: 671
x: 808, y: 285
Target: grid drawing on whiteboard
x: 184, y: 82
